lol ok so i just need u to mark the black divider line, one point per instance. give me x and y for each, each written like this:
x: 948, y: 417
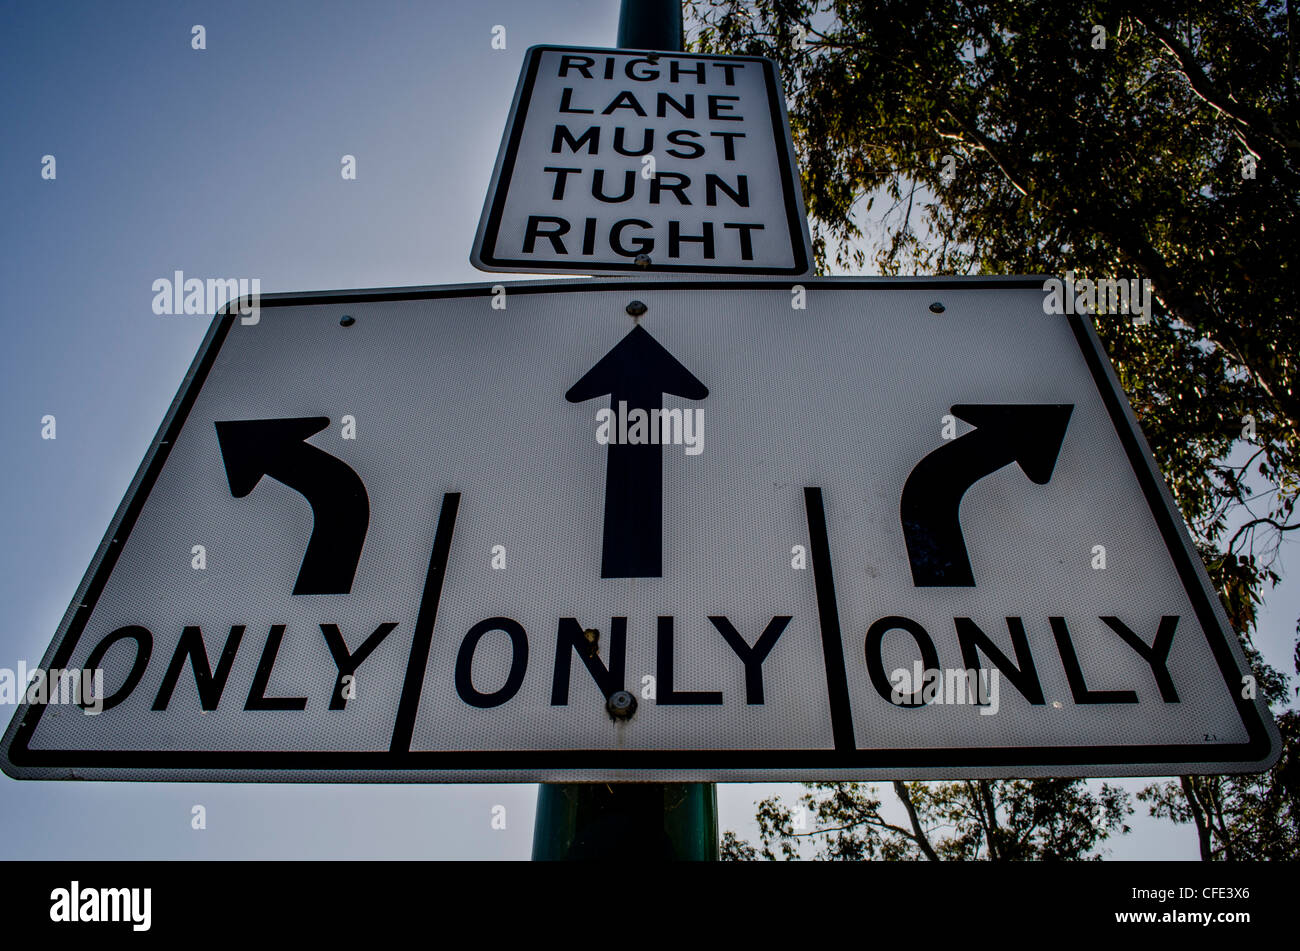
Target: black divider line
x: 409, y: 705
x: 837, y: 681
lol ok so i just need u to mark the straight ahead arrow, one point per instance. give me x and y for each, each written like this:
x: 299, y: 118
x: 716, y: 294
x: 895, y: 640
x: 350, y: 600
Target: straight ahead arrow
x: 252, y: 448
x: 1029, y: 435
x: 638, y: 371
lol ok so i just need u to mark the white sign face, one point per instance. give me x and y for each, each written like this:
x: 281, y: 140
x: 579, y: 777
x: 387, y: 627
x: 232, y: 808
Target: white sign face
x: 617, y: 161
x: 375, y: 527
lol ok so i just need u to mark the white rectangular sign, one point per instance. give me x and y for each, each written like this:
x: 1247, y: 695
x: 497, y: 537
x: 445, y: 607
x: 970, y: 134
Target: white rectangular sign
x: 616, y: 161
x: 376, y: 526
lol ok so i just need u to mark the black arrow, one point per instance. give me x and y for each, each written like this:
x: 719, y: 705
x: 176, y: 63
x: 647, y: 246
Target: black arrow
x: 252, y: 448
x: 1029, y: 435
x: 638, y: 371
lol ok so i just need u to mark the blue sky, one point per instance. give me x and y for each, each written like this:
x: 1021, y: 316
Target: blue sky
x: 225, y: 162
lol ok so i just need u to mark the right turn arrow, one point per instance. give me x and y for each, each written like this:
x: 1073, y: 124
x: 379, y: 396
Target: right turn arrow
x: 1028, y: 435
x: 252, y: 448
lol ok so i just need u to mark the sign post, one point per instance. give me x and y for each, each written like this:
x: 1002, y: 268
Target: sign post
x: 676, y: 821
x: 651, y: 25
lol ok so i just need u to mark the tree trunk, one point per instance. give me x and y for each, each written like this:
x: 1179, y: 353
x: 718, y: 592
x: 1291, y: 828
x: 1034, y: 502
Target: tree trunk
x: 1202, y: 830
x: 921, y: 838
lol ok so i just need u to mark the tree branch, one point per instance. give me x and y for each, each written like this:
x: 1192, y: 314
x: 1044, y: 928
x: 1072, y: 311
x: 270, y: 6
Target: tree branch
x: 922, y: 840
x: 1198, y: 816
x: 1252, y: 124
x: 994, y: 829
x: 985, y: 144
x: 1260, y: 521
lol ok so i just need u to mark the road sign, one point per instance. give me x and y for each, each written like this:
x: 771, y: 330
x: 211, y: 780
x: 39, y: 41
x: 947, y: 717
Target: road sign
x: 617, y: 161
x: 442, y: 527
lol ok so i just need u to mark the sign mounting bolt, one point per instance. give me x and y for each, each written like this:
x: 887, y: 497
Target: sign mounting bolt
x: 642, y: 260
x: 937, y: 308
x: 636, y: 308
x: 621, y: 705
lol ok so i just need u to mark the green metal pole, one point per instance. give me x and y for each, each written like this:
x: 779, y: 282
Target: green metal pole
x: 622, y: 821
x: 651, y: 25
x: 667, y: 821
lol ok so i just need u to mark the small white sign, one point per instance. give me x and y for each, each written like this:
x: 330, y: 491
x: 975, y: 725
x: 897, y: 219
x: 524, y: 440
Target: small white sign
x: 616, y: 161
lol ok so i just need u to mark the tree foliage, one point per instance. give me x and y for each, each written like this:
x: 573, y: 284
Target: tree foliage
x: 1110, y: 140
x: 1017, y: 820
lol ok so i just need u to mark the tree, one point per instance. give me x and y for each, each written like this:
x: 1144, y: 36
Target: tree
x: 1018, y: 820
x: 1107, y: 139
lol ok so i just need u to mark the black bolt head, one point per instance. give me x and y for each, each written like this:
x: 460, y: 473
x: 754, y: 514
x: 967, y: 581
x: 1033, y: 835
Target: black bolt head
x: 621, y: 705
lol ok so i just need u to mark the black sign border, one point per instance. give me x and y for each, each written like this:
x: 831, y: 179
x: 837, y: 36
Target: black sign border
x: 486, y: 239
x: 22, y: 762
